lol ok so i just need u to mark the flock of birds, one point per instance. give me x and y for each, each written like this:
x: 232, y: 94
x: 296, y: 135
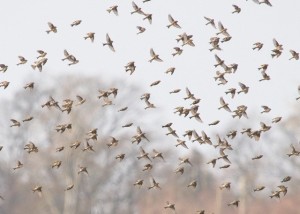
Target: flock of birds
x: 108, y: 96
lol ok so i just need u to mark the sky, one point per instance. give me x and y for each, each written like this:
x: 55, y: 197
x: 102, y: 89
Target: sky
x: 23, y: 25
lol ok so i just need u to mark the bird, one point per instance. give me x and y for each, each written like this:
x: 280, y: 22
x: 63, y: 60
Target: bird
x: 29, y: 85
x: 234, y: 203
x: 139, y: 183
x: 170, y: 70
x: 224, y: 105
x: 267, y: 2
x: 275, y: 194
x: 123, y: 109
x: 283, y: 189
x: 52, y: 28
x: 80, y: 100
x: 69, y: 187
x: 181, y: 143
x: 179, y: 170
x: 222, y: 30
x: 257, y: 45
x: 170, y: 205
x: 225, y: 185
x: 27, y: 119
x: 173, y: 22
x: 154, y: 185
x: 155, y: 83
x: 214, y: 123
x: 231, y: 91
x: 22, y: 60
x: 56, y: 164
x: 298, y: 93
x: 184, y: 161
x: 113, y: 9
x: 172, y: 132
x: 37, y: 188
x: 3, y: 68
x: 293, y: 152
x: 113, y: 142
x: 137, y: 9
x: 90, y: 35
x: 109, y: 43
x: 175, y: 91
x: 157, y: 155
x: 75, y: 23
x: 276, y: 119
x: 127, y: 125
x: 220, y: 62
x: 210, y: 22
x: 4, y: 84
x: 192, y: 184
x: 257, y: 157
x: 148, y: 17
x: 130, y: 67
x: 19, y: 165
x: 141, y: 30
x: 178, y: 51
x: 143, y: 154
x: 286, y: 179
x: 147, y: 167
x: 120, y: 156
x: 82, y: 169
x: 15, y: 123
x: 266, y: 109
x: 244, y: 88
x: 154, y: 56
x: 237, y: 9
x: 259, y: 188
x: 72, y: 59
x: 295, y: 55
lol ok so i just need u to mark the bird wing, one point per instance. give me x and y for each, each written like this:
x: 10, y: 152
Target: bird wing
x: 170, y: 18
x: 220, y: 26
x: 152, y: 53
x: 135, y: 7
x: 66, y: 53
x: 218, y: 58
x: 276, y: 44
x: 222, y: 102
x: 139, y: 131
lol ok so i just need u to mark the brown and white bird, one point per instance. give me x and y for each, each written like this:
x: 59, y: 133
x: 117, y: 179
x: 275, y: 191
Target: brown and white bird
x: 15, y: 123
x: 295, y: 55
x: 154, y: 184
x: 71, y: 58
x: 237, y: 9
x: 173, y: 22
x: 75, y: 23
x: 170, y: 70
x: 141, y: 30
x: 113, y: 9
x: 109, y: 43
x: 143, y: 154
x: 3, y: 68
x: 257, y: 45
x: 90, y: 35
x: 22, y: 60
x: 225, y: 185
x: 130, y: 67
x: 52, y: 28
x: 170, y: 205
x: 29, y: 85
x: 222, y: 30
x: 224, y: 105
x: 294, y: 152
x: 4, y: 84
x: 137, y: 9
x: 148, y: 17
x: 19, y: 165
x: 244, y: 88
x: 234, y: 203
x: 210, y: 22
x: 154, y: 56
